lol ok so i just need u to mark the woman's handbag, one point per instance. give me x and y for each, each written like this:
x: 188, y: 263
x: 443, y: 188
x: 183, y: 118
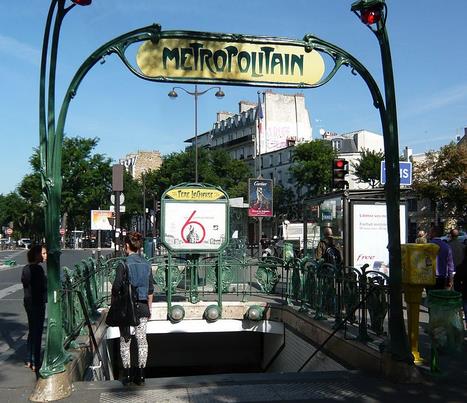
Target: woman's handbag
x: 122, y: 309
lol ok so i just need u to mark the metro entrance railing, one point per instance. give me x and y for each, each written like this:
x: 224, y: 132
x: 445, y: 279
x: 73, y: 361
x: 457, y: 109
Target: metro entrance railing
x: 319, y: 289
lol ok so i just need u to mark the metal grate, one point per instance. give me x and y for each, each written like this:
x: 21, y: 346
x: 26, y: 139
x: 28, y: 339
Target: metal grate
x: 332, y: 390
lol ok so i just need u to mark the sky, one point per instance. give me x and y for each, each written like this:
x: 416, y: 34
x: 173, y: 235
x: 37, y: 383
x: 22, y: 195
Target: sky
x: 127, y: 114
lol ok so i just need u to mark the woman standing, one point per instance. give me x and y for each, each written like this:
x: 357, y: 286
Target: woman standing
x: 140, y: 277
x: 35, y: 297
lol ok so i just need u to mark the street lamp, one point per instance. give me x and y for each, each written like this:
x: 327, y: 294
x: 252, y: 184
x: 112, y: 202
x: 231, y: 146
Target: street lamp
x: 50, y: 149
x: 373, y: 14
x: 219, y: 94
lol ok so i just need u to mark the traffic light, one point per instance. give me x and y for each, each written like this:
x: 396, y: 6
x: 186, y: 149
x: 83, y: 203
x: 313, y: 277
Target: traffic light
x: 340, y: 168
x: 158, y: 206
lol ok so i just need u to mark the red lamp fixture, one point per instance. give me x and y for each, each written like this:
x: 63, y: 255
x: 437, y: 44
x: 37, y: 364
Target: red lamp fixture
x: 371, y: 16
x: 82, y: 2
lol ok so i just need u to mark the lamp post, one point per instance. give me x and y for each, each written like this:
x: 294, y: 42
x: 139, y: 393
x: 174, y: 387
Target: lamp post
x: 373, y: 13
x: 50, y: 150
x: 196, y: 94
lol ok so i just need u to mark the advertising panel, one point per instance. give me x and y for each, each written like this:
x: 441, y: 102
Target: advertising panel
x: 370, y: 235
x: 100, y: 220
x: 260, y: 197
x: 191, y: 226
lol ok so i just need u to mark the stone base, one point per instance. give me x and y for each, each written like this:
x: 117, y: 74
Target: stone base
x: 399, y: 371
x: 55, y: 387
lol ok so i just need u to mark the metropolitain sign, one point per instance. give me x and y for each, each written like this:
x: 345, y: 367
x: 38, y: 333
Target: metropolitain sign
x: 288, y: 64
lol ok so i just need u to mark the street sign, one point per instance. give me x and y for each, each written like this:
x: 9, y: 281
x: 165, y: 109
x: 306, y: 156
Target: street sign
x: 122, y: 209
x: 9, y: 231
x: 405, y: 172
x: 62, y: 231
x: 122, y: 198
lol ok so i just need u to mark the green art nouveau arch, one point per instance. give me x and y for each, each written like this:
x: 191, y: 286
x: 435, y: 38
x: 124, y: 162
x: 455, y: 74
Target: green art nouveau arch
x: 51, y: 137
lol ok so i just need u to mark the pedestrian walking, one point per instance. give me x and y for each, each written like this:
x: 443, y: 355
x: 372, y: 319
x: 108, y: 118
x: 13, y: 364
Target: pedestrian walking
x: 444, y: 262
x: 141, y: 279
x: 35, y: 299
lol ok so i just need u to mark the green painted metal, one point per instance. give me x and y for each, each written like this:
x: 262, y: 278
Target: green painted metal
x: 51, y: 138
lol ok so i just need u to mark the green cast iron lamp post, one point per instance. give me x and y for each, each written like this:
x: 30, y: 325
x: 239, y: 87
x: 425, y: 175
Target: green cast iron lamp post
x: 50, y: 148
x: 219, y: 94
x: 373, y: 13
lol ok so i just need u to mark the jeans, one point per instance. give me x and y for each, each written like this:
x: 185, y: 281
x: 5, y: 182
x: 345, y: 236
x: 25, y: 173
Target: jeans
x: 36, y: 316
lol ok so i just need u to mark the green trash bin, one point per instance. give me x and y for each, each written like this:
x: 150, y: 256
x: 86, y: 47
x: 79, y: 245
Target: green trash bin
x: 445, y: 325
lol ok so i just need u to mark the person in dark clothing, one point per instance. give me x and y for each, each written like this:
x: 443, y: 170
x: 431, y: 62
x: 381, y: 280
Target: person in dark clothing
x: 141, y: 278
x: 35, y: 298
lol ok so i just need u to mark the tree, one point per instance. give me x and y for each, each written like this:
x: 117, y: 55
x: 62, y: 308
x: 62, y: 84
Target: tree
x: 86, y: 184
x: 312, y: 166
x: 215, y: 167
x: 368, y: 168
x: 14, y: 209
x: 442, y: 178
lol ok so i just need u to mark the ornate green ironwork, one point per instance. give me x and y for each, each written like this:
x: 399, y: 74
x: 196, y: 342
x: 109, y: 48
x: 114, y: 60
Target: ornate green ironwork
x: 160, y: 276
x: 51, y: 139
x: 267, y: 274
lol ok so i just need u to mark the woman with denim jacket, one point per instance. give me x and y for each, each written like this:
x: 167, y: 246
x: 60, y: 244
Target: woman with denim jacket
x: 141, y: 278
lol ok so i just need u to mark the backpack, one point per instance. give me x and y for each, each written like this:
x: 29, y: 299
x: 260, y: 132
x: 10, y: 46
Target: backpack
x: 332, y: 255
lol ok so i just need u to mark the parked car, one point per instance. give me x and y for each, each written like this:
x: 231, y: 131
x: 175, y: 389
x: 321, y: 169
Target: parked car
x: 24, y: 243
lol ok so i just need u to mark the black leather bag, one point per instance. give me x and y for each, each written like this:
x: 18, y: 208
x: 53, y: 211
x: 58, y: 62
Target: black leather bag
x: 122, y: 311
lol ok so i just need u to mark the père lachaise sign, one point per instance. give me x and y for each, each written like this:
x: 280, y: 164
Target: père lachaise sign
x: 280, y: 63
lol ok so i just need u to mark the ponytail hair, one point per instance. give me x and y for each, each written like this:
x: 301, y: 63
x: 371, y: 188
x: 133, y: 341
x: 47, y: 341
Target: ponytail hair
x: 134, y: 240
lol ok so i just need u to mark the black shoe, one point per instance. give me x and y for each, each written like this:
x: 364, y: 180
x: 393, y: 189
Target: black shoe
x: 139, y: 377
x: 126, y: 380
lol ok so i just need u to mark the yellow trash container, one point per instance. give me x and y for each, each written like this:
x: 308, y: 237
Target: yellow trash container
x: 418, y: 271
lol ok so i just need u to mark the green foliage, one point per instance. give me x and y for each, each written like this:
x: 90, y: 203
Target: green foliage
x: 368, y: 168
x: 86, y: 184
x: 312, y: 166
x: 442, y: 178
x: 13, y: 208
x: 214, y: 167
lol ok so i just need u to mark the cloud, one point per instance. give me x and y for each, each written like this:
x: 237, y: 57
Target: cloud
x: 14, y: 48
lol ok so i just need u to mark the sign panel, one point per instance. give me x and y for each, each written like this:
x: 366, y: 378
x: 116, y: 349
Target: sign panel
x: 194, y: 226
x: 370, y: 235
x: 405, y: 172
x: 192, y: 55
x: 260, y: 197
x: 191, y: 193
x: 100, y: 220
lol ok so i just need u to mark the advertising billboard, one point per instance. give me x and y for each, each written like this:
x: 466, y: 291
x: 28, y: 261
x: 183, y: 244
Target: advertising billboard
x: 260, y: 198
x: 370, y: 235
x: 100, y: 220
x: 191, y: 226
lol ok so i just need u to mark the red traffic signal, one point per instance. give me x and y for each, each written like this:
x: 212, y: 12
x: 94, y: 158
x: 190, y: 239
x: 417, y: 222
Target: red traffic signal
x: 340, y: 168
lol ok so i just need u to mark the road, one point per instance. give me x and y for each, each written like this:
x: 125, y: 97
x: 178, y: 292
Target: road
x: 13, y: 323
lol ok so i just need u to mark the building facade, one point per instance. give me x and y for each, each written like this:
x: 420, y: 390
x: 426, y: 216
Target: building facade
x: 141, y: 161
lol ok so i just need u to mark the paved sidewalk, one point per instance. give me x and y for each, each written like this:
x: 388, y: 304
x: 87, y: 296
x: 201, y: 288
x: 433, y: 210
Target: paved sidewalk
x: 17, y: 383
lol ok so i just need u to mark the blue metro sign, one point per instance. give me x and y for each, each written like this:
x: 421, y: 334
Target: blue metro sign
x: 405, y: 172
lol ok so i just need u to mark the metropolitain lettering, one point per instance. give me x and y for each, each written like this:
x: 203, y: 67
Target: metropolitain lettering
x: 232, y: 59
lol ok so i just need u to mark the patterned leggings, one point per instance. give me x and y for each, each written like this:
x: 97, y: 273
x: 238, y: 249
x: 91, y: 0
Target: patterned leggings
x: 141, y: 341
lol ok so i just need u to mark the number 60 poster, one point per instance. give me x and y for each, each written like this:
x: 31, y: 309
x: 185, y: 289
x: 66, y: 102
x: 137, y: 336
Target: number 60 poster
x: 194, y: 226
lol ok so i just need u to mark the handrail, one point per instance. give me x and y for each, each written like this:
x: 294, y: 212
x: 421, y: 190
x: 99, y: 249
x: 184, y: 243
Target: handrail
x: 338, y: 326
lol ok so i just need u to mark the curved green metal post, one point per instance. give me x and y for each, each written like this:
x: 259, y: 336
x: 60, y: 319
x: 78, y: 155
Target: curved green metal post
x: 50, y: 156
